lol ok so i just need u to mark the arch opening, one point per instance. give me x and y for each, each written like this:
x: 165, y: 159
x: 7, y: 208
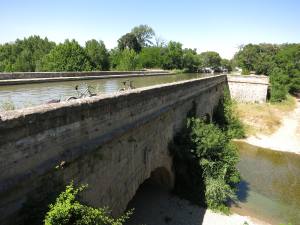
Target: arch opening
x: 155, y: 204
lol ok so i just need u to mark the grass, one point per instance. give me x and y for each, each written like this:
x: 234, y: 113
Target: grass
x: 264, y: 118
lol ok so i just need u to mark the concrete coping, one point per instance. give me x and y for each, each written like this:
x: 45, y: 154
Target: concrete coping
x: 18, y: 113
x: 252, y: 79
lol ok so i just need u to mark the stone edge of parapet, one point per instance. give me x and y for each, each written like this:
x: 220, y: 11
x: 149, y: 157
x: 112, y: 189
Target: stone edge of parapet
x: 40, y: 109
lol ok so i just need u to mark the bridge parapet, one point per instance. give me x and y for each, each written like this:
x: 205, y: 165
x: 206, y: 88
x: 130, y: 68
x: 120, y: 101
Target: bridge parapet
x: 111, y: 142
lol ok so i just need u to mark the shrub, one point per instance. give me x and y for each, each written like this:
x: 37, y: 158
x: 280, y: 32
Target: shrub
x: 203, y: 151
x: 279, y: 85
x: 128, y: 60
x: 68, y: 210
x: 227, y: 120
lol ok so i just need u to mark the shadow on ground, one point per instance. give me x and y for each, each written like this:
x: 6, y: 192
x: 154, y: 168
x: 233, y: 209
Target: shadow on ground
x: 156, y: 206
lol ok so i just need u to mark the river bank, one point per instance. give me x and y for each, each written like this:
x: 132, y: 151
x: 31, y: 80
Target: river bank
x: 286, y: 138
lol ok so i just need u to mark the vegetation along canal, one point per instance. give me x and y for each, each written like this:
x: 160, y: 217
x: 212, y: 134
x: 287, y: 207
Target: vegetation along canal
x: 26, y: 95
x: 270, y: 186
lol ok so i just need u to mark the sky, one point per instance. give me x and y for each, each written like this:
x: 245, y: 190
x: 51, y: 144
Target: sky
x: 211, y: 25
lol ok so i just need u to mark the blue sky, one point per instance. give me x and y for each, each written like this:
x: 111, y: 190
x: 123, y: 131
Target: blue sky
x: 206, y: 25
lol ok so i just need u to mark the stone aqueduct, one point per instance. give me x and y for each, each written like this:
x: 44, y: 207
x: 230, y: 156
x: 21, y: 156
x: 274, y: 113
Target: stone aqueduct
x: 110, y: 142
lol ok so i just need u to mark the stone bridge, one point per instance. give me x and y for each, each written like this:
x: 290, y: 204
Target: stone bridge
x: 113, y: 143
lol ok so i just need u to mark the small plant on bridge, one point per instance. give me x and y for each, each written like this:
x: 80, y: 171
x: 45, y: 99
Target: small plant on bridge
x: 68, y: 210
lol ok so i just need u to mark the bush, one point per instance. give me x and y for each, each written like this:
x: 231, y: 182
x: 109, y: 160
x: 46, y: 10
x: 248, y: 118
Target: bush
x: 69, y: 56
x: 203, y: 151
x: 279, y: 85
x: 226, y: 118
x: 128, y: 60
x: 245, y: 71
x: 68, y: 210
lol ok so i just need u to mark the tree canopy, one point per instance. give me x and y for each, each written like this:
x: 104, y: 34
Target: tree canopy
x: 69, y: 56
x: 280, y: 62
x: 98, y: 54
x: 129, y: 41
x: 24, y: 55
x: 144, y: 35
x: 210, y: 59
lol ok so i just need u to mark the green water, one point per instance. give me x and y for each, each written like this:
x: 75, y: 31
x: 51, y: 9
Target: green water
x: 270, y: 187
x: 27, y: 95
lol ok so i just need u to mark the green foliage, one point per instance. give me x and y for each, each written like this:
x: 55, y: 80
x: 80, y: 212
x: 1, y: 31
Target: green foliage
x: 225, y: 117
x: 36, y: 54
x: 98, y: 55
x: 245, y: 71
x: 151, y: 57
x: 68, y: 210
x: 69, y: 56
x: 279, y: 85
x: 203, y: 155
x: 288, y: 59
x: 210, y: 59
x: 172, y: 56
x: 280, y: 62
x: 144, y: 34
x: 227, y: 64
x: 129, y: 41
x: 190, y: 60
x: 24, y: 55
x: 128, y: 60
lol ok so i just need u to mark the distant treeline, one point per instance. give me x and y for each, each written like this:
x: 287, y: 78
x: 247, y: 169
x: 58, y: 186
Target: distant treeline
x: 137, y: 49
x: 280, y: 62
x: 141, y: 48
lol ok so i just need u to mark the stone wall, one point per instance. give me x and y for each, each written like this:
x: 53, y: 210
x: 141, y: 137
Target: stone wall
x: 31, y: 75
x: 110, y: 142
x: 250, y: 88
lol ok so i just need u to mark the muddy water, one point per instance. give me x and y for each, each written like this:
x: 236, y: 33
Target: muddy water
x: 25, y: 95
x: 270, y: 187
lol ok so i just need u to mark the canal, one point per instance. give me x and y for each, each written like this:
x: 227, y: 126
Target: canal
x: 270, y: 187
x: 26, y: 95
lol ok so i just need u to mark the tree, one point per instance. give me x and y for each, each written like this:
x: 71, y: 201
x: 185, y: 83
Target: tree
x: 172, y: 56
x: 69, y: 56
x: 129, y: 41
x: 288, y: 59
x: 279, y: 85
x: 128, y: 60
x: 210, y: 59
x: 226, y: 64
x: 247, y: 57
x: 98, y: 54
x: 151, y: 57
x: 144, y: 35
x: 24, y: 55
x: 190, y: 60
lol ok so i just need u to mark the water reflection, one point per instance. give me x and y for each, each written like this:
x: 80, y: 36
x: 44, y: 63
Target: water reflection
x: 243, y: 189
x: 272, y: 189
x: 35, y: 94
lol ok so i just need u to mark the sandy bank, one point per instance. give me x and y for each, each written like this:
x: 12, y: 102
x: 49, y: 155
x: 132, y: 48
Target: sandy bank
x: 286, y: 138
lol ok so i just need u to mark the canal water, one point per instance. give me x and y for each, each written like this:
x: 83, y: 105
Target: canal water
x: 270, y: 187
x: 26, y: 95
